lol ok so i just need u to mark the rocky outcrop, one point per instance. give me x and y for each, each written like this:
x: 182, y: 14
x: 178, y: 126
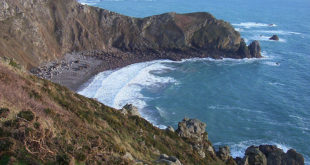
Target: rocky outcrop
x: 270, y: 155
x: 276, y: 156
x: 224, y: 154
x: 130, y: 110
x: 34, y: 32
x: 274, y: 37
x: 195, y: 131
x: 255, y: 49
x: 171, y: 129
x: 169, y: 160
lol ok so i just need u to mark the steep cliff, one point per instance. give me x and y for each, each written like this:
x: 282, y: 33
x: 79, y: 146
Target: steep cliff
x: 37, y: 31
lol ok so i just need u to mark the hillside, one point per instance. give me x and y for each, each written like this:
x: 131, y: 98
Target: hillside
x: 42, y: 122
x: 34, y: 32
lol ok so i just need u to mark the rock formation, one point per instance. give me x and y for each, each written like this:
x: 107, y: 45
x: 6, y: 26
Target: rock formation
x: 170, y: 160
x: 34, y: 32
x: 224, y: 154
x: 130, y: 110
x: 270, y: 155
x: 195, y: 131
x: 274, y: 37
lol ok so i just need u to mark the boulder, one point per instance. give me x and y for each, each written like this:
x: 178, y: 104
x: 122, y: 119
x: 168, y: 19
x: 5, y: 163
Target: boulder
x: 170, y: 160
x: 169, y: 128
x: 128, y: 156
x: 274, y: 37
x: 131, y: 110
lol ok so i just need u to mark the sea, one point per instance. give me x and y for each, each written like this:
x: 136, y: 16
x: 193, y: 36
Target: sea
x: 244, y: 102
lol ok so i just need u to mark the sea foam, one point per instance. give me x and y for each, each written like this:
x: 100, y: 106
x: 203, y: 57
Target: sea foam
x: 118, y: 87
x: 253, y: 25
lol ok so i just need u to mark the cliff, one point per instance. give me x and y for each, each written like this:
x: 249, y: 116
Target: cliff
x: 34, y: 32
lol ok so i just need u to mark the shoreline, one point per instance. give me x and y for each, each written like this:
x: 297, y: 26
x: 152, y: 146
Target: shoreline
x: 75, y: 69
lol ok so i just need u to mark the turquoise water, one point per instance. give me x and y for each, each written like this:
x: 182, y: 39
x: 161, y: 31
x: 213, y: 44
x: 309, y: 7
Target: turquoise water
x: 244, y: 102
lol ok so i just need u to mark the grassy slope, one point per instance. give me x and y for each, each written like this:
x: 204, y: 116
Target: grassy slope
x: 47, y: 123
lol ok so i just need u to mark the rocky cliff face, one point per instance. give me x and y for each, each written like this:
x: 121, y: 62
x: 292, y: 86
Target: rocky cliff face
x: 36, y: 31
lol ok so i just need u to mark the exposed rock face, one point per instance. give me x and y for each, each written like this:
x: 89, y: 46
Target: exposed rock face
x: 131, y: 110
x: 270, y: 155
x: 195, y: 131
x: 169, y: 128
x: 170, y: 160
x: 224, y: 153
x: 254, y: 156
x: 274, y: 37
x: 33, y: 32
x: 192, y: 128
x: 276, y: 156
x: 255, y: 49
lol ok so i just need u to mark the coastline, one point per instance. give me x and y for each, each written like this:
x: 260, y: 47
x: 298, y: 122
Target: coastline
x: 76, y: 68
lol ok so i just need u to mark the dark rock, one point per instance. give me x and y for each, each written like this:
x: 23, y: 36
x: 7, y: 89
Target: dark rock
x: 254, y: 156
x: 274, y: 37
x: 276, y: 156
x: 270, y: 155
x: 255, y: 49
x: 294, y: 158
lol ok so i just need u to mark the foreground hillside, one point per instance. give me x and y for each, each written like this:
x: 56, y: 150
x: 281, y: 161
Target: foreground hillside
x: 42, y: 122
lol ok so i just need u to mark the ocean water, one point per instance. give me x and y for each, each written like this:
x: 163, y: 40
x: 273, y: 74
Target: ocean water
x: 244, y: 102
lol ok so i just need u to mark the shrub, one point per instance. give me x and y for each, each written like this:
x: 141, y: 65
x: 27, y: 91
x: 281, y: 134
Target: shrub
x: 36, y: 125
x: 4, y: 112
x: 34, y: 94
x: 5, y: 144
x: 63, y: 159
x: 47, y: 111
x: 27, y: 115
x: 14, y: 64
x: 80, y: 156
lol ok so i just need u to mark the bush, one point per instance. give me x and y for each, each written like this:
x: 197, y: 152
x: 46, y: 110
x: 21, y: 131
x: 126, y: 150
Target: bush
x: 4, y: 112
x: 47, y: 111
x: 36, y: 125
x: 14, y: 64
x: 80, y: 156
x: 5, y: 144
x: 27, y: 115
x: 63, y: 159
